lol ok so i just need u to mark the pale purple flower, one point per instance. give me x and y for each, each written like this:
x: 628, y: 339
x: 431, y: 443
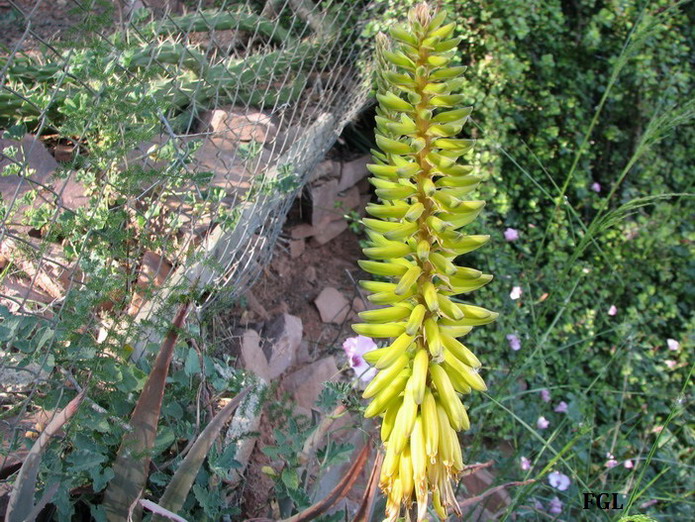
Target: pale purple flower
x: 559, y: 481
x: 612, y: 310
x: 555, y: 506
x: 355, y: 348
x: 673, y: 345
x: 511, y: 234
x: 545, y: 395
x: 629, y: 464
x: 514, y: 342
x: 525, y: 464
x: 611, y: 462
x: 516, y: 293
x: 596, y: 187
x: 537, y: 504
x: 670, y: 363
x: 542, y: 423
x: 561, y: 407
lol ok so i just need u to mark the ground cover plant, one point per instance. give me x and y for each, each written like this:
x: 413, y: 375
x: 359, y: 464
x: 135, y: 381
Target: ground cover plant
x: 583, y: 120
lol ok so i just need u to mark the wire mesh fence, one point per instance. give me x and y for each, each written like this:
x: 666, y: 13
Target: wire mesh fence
x: 150, y: 151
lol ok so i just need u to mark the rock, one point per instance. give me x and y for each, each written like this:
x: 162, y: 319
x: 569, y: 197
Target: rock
x: 349, y: 200
x: 332, y: 305
x: 71, y: 194
x: 297, y: 247
x: 324, y: 170
x: 63, y: 153
x: 323, y: 198
x: 303, y: 353
x: 306, y: 384
x: 310, y: 274
x: 352, y: 172
x: 16, y: 379
x: 35, y: 168
x: 330, y: 231
x: 281, y: 265
x: 239, y: 124
x: 256, y: 307
x: 271, y: 355
x: 152, y: 273
x: 42, y: 263
x: 358, y: 305
x: 252, y: 357
x: 302, y: 231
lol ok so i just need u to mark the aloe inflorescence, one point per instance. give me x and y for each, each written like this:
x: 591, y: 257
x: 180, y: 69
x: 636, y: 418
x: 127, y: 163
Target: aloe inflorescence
x: 415, y: 236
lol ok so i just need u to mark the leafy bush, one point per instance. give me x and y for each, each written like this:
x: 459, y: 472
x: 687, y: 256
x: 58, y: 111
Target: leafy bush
x: 582, y: 109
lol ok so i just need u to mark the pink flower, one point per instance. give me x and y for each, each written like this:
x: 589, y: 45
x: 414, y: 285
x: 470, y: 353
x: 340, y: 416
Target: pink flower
x: 561, y: 407
x: 516, y: 293
x: 514, y: 342
x: 673, y: 345
x: 596, y: 187
x: 355, y: 348
x: 611, y: 462
x: 542, y: 423
x: 559, y: 481
x: 545, y: 395
x: 612, y: 310
x: 525, y: 464
x: 511, y: 234
x: 555, y: 506
x: 629, y: 464
x: 670, y: 363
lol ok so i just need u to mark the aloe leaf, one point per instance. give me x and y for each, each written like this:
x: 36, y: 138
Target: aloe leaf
x: 133, y: 458
x: 22, y: 497
x: 176, y: 492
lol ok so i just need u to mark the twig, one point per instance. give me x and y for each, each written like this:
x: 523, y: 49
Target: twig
x: 364, y: 513
x: 342, y: 489
x: 476, y: 499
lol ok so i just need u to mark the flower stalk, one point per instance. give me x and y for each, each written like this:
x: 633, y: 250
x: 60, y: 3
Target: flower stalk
x: 415, y: 237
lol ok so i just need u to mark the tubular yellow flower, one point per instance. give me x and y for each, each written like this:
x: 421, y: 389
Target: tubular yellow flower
x: 415, y: 235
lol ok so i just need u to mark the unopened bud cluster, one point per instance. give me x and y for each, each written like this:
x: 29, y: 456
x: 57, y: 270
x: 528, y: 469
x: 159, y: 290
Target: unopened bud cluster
x: 415, y: 236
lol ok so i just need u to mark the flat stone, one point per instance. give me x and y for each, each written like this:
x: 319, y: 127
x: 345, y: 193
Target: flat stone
x: 324, y: 170
x: 330, y: 231
x: 297, y: 247
x: 306, y: 384
x: 22, y: 380
x: 302, y: 231
x: 281, y: 339
x: 239, y: 124
x: 269, y: 355
x: 358, y: 305
x: 348, y: 200
x: 352, y: 172
x: 323, y: 198
x: 332, y: 305
x: 152, y: 273
x: 252, y: 357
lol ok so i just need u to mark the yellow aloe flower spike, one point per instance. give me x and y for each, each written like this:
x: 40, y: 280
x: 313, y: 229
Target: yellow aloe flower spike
x: 415, y: 237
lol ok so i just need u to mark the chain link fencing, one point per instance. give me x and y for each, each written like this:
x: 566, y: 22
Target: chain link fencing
x: 150, y: 151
